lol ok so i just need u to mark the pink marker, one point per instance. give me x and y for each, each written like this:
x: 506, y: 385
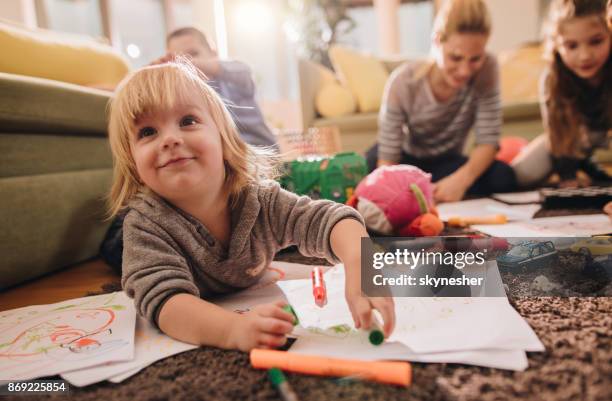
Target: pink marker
x: 318, y: 287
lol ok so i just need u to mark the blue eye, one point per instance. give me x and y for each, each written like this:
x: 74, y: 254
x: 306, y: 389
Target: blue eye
x: 146, y: 131
x: 188, y: 120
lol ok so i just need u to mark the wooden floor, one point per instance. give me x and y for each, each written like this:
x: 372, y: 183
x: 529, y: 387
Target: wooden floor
x: 73, y: 282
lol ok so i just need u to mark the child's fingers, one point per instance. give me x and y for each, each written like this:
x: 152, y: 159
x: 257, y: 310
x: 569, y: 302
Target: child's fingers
x: 280, y: 303
x: 355, y: 316
x: 274, y: 326
x: 271, y: 340
x: 364, y: 312
x: 386, y: 307
x: 275, y: 311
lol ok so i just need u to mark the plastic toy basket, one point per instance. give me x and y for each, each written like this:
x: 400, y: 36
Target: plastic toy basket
x: 321, y: 141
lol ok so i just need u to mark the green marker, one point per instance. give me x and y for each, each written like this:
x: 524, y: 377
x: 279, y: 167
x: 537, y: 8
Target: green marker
x: 279, y: 381
x: 289, y: 309
x: 376, y: 336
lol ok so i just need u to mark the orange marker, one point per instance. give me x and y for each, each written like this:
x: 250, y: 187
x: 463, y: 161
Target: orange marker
x: 318, y: 287
x: 398, y: 373
x: 467, y: 221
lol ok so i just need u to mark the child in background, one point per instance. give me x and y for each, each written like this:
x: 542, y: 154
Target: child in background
x: 203, y: 220
x: 231, y: 79
x: 429, y: 108
x: 575, y: 96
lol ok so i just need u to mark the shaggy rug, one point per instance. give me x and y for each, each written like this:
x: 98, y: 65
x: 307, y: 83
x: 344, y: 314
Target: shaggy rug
x: 577, y: 365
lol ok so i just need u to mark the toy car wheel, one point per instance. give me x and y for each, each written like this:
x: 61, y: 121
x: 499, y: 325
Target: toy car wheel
x: 585, y: 252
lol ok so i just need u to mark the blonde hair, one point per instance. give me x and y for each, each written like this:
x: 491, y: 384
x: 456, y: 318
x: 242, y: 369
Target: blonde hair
x: 161, y: 87
x: 462, y: 16
x: 564, y: 123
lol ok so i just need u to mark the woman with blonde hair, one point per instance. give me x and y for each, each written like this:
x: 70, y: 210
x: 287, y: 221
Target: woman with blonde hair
x: 429, y: 107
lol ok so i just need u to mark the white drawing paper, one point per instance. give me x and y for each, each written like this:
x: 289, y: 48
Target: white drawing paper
x: 353, y: 345
x: 518, y: 198
x: 425, y: 325
x: 485, y: 207
x: 45, y: 340
x: 151, y: 346
x: 562, y: 226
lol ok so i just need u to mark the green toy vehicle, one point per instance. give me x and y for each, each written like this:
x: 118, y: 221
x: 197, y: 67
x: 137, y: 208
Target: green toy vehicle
x: 333, y: 178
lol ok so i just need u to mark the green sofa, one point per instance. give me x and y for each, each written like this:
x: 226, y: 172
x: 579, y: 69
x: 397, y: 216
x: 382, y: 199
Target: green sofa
x: 55, y: 170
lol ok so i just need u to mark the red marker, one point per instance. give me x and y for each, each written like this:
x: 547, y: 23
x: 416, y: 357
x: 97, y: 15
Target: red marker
x: 318, y: 287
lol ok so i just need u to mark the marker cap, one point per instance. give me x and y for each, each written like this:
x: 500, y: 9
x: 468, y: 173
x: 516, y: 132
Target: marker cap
x: 276, y: 376
x: 288, y: 308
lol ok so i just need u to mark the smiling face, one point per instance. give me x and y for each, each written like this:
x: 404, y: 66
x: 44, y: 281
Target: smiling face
x: 584, y: 45
x: 178, y: 152
x: 461, y: 57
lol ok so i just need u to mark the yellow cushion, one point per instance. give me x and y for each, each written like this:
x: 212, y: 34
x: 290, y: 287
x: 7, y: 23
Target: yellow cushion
x: 60, y: 57
x: 326, y: 75
x: 364, y: 75
x: 520, y: 72
x: 334, y: 100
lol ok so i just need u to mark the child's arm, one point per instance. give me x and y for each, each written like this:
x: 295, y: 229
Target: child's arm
x: 193, y: 320
x: 330, y: 230
x: 160, y: 280
x: 345, y: 241
x: 239, y: 74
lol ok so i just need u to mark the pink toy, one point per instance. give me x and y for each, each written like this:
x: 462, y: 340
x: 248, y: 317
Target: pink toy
x: 392, y: 197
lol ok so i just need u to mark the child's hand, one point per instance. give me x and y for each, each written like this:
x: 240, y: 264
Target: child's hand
x: 361, y: 309
x: 264, y: 326
x: 578, y: 182
x: 608, y: 209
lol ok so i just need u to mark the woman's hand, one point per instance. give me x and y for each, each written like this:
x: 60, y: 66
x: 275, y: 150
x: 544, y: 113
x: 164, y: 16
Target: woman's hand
x: 264, y: 326
x: 450, y: 189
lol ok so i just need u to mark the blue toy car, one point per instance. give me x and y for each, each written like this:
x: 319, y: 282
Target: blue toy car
x: 528, y: 255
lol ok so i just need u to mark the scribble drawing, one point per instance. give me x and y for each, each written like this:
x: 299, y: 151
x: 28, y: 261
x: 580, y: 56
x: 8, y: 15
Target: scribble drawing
x: 34, y: 341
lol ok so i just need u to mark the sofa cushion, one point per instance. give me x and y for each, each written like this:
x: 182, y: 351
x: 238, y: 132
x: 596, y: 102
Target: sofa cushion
x: 520, y: 72
x: 61, y: 57
x: 351, y: 122
x: 334, y: 100
x: 364, y: 75
x: 47, y: 106
x: 326, y: 75
x: 33, y: 154
x: 50, y: 221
